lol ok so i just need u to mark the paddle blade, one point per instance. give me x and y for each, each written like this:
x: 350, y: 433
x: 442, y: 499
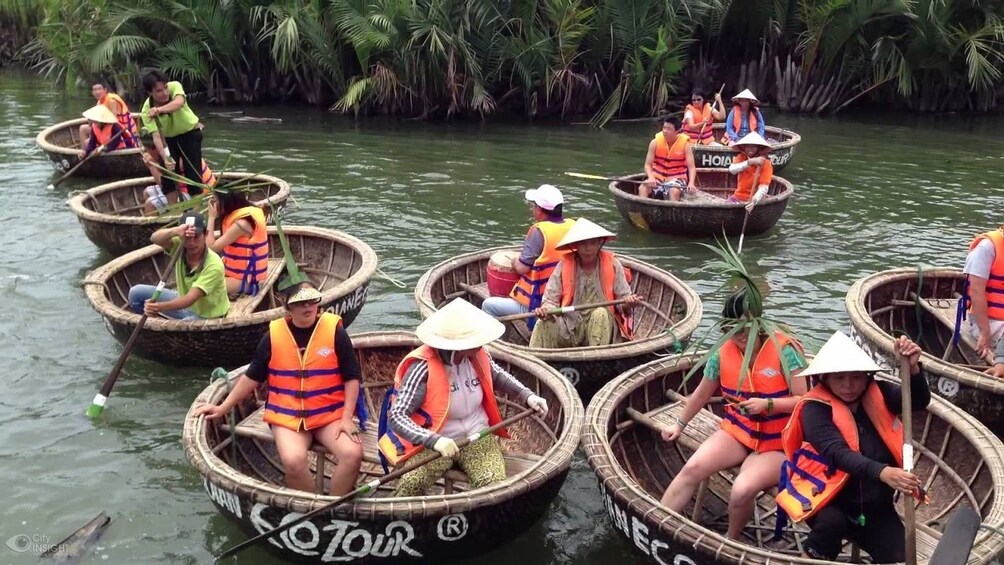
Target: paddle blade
x: 97, y: 406
x: 957, y: 541
x: 585, y: 176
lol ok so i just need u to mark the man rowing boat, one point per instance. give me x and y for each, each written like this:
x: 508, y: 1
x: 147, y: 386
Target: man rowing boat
x: 753, y: 166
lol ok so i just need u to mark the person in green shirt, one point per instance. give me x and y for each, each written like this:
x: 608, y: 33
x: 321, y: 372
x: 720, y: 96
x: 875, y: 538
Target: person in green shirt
x: 202, y: 289
x: 166, y: 111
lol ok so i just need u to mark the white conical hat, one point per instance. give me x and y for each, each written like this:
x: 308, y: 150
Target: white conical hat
x: 459, y: 325
x: 841, y: 355
x: 747, y: 95
x: 583, y: 230
x: 100, y: 114
x: 753, y: 138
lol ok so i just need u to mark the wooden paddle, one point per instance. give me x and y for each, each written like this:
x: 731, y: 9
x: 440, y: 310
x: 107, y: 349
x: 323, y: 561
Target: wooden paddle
x: 101, y: 149
x: 562, y: 310
x: 906, y: 417
x: 598, y: 177
x: 712, y: 109
x: 98, y: 404
x: 742, y: 231
x: 957, y: 540
x: 372, y: 485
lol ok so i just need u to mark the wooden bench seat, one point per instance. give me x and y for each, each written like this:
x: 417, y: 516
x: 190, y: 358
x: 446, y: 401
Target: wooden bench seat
x: 254, y: 427
x: 244, y: 304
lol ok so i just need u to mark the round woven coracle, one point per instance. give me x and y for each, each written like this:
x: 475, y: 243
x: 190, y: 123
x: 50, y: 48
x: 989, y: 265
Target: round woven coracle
x: 958, y: 459
x: 61, y: 144
x: 705, y: 214
x: 243, y: 477
x: 922, y: 305
x: 588, y: 368
x: 338, y: 264
x: 112, y: 214
x: 782, y: 142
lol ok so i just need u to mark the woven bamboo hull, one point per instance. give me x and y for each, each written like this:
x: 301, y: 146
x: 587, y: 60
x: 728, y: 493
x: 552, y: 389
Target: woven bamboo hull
x: 112, y: 215
x: 588, y: 368
x: 379, y: 529
x: 702, y: 216
x: 978, y: 394
x: 959, y: 459
x: 339, y: 264
x: 720, y: 156
x: 60, y: 144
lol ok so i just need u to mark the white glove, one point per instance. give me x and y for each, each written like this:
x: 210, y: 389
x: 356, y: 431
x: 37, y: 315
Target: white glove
x: 446, y: 447
x: 760, y: 193
x: 537, y: 403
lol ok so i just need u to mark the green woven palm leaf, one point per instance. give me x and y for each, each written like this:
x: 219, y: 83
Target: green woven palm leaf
x: 294, y: 275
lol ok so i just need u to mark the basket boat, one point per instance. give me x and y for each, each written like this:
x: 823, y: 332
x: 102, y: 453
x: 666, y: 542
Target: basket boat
x: 923, y: 306
x: 783, y: 142
x: 588, y: 368
x: 112, y: 214
x: 958, y: 458
x: 243, y: 477
x: 61, y: 145
x: 705, y: 214
x: 338, y: 264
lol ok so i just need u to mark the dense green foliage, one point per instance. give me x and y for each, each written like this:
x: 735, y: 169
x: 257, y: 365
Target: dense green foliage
x: 536, y: 57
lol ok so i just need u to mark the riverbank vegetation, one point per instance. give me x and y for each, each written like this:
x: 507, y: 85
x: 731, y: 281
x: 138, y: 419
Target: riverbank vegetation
x: 599, y: 58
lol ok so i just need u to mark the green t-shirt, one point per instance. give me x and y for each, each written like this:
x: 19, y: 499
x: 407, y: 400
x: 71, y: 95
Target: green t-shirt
x: 182, y: 120
x: 791, y: 358
x: 209, y: 278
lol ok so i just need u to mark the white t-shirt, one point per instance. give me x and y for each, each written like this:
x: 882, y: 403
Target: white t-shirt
x: 980, y: 259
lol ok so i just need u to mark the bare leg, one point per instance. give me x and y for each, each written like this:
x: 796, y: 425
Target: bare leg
x: 675, y: 194
x: 759, y: 472
x: 721, y: 451
x: 644, y: 190
x: 349, y: 455
x: 292, y: 447
x: 85, y: 132
x: 234, y: 287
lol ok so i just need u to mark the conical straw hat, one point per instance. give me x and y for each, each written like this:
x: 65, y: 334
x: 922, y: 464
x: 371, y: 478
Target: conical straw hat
x: 747, y: 95
x: 100, y: 114
x: 841, y: 355
x: 752, y: 138
x: 459, y: 325
x: 583, y: 230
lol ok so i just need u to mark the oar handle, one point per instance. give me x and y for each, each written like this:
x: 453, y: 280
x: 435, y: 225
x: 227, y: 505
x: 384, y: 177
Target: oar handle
x: 906, y: 417
x: 562, y: 310
x: 98, y: 404
x: 101, y: 149
x: 599, y: 177
x: 373, y: 485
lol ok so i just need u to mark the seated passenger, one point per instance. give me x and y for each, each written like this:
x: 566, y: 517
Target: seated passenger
x: 243, y: 240
x: 753, y: 166
x: 744, y: 118
x: 669, y: 164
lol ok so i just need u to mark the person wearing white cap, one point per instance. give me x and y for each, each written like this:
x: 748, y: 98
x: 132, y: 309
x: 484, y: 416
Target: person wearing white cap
x: 445, y: 390
x: 743, y: 118
x: 669, y: 163
x: 589, y: 274
x: 104, y: 126
x: 753, y: 166
x: 308, y: 363
x: 538, y: 257
x: 844, y: 450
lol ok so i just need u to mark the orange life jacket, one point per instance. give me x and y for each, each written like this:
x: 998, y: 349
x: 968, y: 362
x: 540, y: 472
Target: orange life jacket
x: 995, y: 284
x: 435, y: 408
x: 208, y: 177
x: 760, y: 432
x: 744, y: 182
x: 737, y: 122
x: 103, y: 133
x: 693, y: 130
x: 304, y: 391
x: 808, y: 481
x: 124, y: 116
x: 569, y: 268
x: 529, y: 289
x: 670, y: 162
x: 246, y: 258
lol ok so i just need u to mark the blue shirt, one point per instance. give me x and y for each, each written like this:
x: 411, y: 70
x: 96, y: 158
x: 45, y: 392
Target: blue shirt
x: 744, y: 125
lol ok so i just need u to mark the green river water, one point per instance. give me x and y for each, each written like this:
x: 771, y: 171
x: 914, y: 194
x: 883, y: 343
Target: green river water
x: 872, y: 192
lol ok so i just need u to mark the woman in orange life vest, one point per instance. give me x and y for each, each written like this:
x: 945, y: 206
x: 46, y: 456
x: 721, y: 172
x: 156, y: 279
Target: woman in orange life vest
x: 757, y: 408
x: 538, y: 257
x: 751, y: 156
x: 306, y: 351
x: 669, y: 164
x: 243, y: 241
x: 699, y: 117
x: 744, y: 118
x: 587, y: 275
x: 103, y: 127
x: 118, y: 107
x: 445, y: 390
x: 844, y: 450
